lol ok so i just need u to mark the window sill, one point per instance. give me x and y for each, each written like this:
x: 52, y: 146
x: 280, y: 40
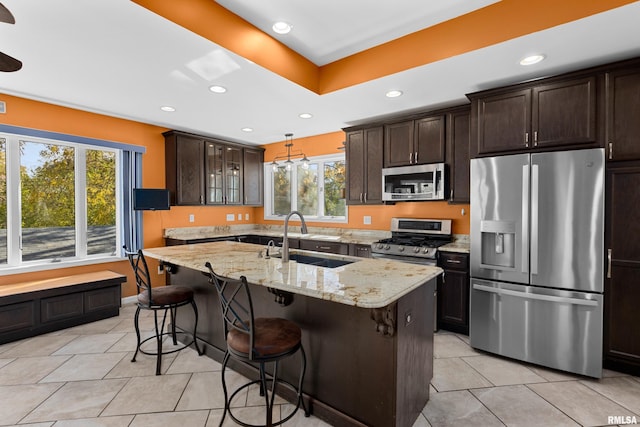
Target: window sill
x: 30, y: 268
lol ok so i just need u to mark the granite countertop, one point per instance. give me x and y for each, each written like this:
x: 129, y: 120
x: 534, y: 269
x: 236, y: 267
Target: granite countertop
x: 366, y: 283
x: 456, y: 246
x: 341, y: 235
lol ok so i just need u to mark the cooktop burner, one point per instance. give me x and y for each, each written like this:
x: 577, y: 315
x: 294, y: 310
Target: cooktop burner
x: 411, y: 238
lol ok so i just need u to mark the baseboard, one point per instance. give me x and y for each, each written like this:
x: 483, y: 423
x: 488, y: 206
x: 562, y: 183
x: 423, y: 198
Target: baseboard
x: 129, y: 300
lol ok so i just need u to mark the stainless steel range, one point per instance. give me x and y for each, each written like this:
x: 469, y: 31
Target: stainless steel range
x: 414, y: 240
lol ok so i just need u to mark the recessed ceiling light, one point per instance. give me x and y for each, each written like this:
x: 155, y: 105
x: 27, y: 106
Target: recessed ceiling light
x: 168, y: 108
x: 247, y: 129
x: 217, y: 89
x: 532, y: 59
x: 393, y: 93
x: 305, y: 116
x: 282, y: 27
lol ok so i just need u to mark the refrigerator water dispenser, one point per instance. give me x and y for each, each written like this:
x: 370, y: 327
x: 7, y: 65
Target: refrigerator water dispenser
x: 498, y: 244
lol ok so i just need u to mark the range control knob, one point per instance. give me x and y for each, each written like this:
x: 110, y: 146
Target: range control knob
x: 425, y: 250
x: 387, y: 247
x: 401, y: 249
x: 379, y: 246
x: 416, y: 249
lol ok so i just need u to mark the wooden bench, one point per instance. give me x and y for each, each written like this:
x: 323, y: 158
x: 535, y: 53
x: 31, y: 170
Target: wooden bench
x: 33, y: 308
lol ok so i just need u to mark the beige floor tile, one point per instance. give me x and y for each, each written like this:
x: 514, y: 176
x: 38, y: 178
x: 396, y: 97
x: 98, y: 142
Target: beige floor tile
x: 157, y: 393
x: 30, y: 370
x: 450, y: 345
x: 81, y: 399
x: 580, y: 402
x: 607, y: 373
x: 128, y: 342
x: 624, y: 391
x: 458, y: 408
x: 83, y: 367
x: 144, y: 365
x: 118, y: 421
x: 42, y: 345
x: 254, y: 398
x: 188, y: 360
x: 250, y: 415
x: 204, y: 391
x: 553, y: 375
x: 518, y: 406
x: 9, y: 345
x: 93, y: 343
x: 6, y: 361
x: 464, y: 338
x: 299, y: 420
x: 47, y: 424
x: 98, y: 327
x: 19, y: 400
x: 454, y: 374
x: 502, y: 371
x: 171, y: 419
x: 421, y: 421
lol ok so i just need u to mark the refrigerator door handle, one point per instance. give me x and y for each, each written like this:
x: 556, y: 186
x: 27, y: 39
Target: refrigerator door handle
x: 525, y: 218
x: 551, y: 298
x: 534, y: 218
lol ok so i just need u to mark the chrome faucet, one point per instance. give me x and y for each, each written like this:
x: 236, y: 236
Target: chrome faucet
x: 270, y: 244
x: 285, y: 240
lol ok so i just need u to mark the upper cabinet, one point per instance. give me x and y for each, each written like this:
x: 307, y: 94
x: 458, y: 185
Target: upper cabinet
x: 458, y: 138
x: 415, y: 142
x: 541, y: 116
x: 253, y: 176
x: 203, y: 171
x: 364, y: 166
x: 623, y: 114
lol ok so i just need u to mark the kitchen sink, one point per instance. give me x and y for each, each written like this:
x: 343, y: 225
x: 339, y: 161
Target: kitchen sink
x: 319, y: 261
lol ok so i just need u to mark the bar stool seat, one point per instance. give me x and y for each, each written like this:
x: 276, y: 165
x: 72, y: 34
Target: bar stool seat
x: 257, y: 341
x: 165, y: 299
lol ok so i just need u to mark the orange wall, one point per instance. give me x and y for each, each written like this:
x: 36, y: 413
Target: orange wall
x: 380, y: 215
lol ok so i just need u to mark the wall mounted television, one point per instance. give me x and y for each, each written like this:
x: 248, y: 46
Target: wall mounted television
x: 150, y: 199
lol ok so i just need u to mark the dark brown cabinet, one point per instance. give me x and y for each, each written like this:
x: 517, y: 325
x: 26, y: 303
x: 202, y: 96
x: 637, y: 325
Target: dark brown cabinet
x: 203, y: 171
x: 556, y: 114
x: 321, y: 246
x: 453, y: 292
x: 623, y: 114
x: 413, y: 142
x: 364, y: 166
x: 253, y: 177
x: 458, y: 139
x: 622, y: 287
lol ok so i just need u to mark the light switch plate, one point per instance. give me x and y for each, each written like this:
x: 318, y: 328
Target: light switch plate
x: 231, y: 217
x: 246, y: 217
x: 239, y: 217
x: 367, y: 220
x: 192, y: 217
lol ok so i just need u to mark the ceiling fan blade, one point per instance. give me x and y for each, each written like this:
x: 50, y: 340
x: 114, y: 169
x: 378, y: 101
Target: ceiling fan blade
x: 9, y: 64
x: 6, y: 16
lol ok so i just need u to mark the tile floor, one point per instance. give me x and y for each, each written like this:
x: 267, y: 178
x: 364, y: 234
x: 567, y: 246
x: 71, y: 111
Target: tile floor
x: 83, y: 376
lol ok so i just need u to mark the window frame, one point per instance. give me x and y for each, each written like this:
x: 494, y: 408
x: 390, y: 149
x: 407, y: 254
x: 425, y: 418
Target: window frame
x: 320, y: 160
x: 127, y: 222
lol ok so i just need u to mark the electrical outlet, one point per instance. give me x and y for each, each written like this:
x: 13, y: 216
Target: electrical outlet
x: 160, y: 269
x: 239, y: 217
x: 192, y: 217
x: 367, y: 220
x: 246, y: 217
x: 231, y: 217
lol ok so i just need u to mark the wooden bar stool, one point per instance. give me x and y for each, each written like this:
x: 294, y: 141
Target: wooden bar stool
x: 258, y: 342
x: 166, y: 299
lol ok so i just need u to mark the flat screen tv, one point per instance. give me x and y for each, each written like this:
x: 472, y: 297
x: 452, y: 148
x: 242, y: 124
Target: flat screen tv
x: 150, y: 199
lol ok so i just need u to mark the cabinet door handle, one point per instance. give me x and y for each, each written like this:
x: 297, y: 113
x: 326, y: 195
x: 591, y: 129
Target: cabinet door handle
x: 608, y: 263
x: 201, y: 201
x: 410, y: 158
x: 326, y: 248
x: 535, y: 138
x: 360, y: 197
x: 416, y: 157
x: 451, y: 196
x: 454, y: 261
x: 610, y: 150
x: 526, y: 139
x: 365, y: 197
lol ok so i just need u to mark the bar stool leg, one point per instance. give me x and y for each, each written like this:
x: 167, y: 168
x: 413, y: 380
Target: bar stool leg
x: 307, y: 412
x: 137, y: 326
x: 224, y: 388
x: 195, y: 328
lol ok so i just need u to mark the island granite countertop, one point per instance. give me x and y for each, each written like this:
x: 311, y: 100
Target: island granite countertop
x: 366, y: 283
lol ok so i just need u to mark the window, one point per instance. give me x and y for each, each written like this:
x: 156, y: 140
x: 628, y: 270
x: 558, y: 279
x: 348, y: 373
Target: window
x: 59, y: 201
x: 316, y: 191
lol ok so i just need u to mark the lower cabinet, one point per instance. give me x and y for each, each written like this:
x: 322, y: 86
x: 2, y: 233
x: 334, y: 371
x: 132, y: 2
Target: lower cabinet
x: 320, y: 246
x: 622, y: 287
x: 453, y: 292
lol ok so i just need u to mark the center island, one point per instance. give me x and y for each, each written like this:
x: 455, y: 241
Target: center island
x: 367, y: 325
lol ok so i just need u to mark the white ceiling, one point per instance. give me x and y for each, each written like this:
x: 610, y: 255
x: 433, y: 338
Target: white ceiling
x: 117, y: 58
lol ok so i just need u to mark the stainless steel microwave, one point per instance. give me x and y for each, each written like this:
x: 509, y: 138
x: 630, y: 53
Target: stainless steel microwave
x: 412, y: 183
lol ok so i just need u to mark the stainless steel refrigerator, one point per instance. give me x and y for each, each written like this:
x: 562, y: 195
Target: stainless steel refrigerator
x: 537, y: 258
